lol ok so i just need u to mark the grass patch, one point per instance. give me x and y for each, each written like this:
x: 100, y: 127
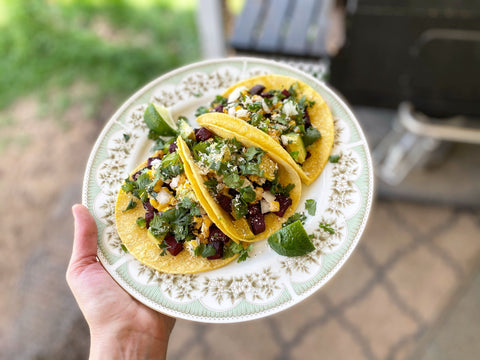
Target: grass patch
x: 114, y: 45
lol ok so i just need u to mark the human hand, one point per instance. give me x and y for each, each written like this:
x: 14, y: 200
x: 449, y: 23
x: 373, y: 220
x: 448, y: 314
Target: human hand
x: 120, y: 326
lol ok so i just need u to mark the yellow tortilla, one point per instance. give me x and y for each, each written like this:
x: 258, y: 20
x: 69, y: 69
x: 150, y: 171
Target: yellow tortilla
x: 145, y: 248
x: 320, y: 117
x: 239, y: 229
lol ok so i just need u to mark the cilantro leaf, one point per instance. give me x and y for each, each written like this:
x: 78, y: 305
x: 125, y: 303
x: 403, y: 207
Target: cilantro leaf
x: 131, y: 205
x: 126, y: 137
x: 201, y: 110
x: 295, y: 217
x: 208, y: 250
x: 211, y: 185
x: 124, y: 248
x: 233, y: 181
x: 247, y: 194
x: 334, y: 158
x: 239, y: 208
x: 327, y: 227
x: 311, y: 135
x: 311, y: 206
x: 141, y: 222
x: 236, y: 248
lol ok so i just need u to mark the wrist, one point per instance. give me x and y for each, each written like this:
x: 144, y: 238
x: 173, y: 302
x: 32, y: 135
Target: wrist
x: 127, y: 344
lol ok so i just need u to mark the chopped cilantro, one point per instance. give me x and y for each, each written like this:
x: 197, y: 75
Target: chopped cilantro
x: 311, y: 135
x: 334, y: 158
x: 256, y: 119
x: 235, y: 248
x: 124, y: 248
x: 211, y: 185
x: 205, y: 250
x: 295, y: 217
x: 201, y: 110
x: 239, y: 207
x: 327, y: 227
x: 199, y: 94
x: 254, y: 106
x: 277, y: 188
x: 164, y: 246
x: 141, y: 222
x: 233, y: 180
x: 311, y: 206
x: 131, y: 205
x: 247, y: 194
x: 126, y: 137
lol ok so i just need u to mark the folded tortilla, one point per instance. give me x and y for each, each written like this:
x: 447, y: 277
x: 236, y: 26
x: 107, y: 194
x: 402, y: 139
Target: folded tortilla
x: 144, y: 247
x: 320, y: 117
x: 239, y: 229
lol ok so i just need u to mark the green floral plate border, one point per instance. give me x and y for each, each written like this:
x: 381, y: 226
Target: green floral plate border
x: 266, y: 283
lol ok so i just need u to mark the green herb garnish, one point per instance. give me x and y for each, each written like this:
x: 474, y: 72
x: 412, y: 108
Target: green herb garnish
x: 334, y: 158
x: 295, y: 217
x: 311, y: 206
x: 141, y: 222
x: 131, y: 205
x: 327, y: 227
x: 126, y: 137
x: 235, y: 248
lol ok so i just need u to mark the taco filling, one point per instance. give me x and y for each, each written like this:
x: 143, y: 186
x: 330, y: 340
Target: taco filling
x: 172, y: 216
x: 241, y: 180
x: 281, y: 113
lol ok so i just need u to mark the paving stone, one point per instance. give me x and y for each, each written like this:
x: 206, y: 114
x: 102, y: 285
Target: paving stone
x: 421, y: 218
x: 380, y: 322
x: 298, y: 315
x: 330, y: 341
x: 423, y: 281
x: 462, y: 241
x: 384, y: 235
x: 351, y: 279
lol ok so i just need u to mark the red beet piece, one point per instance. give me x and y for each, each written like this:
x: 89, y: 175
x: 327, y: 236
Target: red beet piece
x: 284, y: 202
x: 203, y: 134
x: 256, y: 89
x: 218, y: 245
x: 173, y: 147
x: 285, y: 93
x: 174, y: 247
x: 307, y: 119
x: 215, y: 234
x: 218, y: 108
x: 225, y: 202
x: 256, y: 219
x: 149, y: 217
x: 266, y: 95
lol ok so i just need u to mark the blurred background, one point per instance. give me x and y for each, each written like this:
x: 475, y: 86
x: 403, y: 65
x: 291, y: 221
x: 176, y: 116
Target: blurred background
x: 409, y: 69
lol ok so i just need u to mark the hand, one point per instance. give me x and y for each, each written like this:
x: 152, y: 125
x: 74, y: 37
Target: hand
x: 120, y: 326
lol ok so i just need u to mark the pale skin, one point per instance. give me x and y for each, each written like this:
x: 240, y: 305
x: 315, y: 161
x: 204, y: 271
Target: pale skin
x: 120, y: 326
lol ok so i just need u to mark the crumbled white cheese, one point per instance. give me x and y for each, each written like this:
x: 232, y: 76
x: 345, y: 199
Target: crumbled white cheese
x: 163, y: 197
x: 191, y: 245
x: 289, y: 108
x: 231, y: 111
x: 174, y: 182
x: 242, y: 113
x: 265, y: 107
x: 155, y: 163
x: 235, y: 94
x: 285, y: 140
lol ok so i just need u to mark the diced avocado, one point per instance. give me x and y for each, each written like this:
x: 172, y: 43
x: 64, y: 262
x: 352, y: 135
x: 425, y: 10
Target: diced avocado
x: 185, y: 130
x: 294, y: 145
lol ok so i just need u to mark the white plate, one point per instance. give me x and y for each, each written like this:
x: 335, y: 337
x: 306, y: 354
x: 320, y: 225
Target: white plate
x: 266, y: 283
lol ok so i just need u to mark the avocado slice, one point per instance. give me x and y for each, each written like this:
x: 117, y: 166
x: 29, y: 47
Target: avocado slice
x: 294, y: 145
x: 185, y: 130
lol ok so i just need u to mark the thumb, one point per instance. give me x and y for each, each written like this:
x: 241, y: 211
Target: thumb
x: 85, y: 241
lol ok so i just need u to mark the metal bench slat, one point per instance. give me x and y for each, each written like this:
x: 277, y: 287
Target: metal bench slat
x: 319, y: 44
x: 296, y: 39
x: 275, y: 19
x: 246, y: 24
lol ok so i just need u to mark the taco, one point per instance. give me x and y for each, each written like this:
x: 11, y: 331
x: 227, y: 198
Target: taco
x: 163, y: 224
x: 249, y: 194
x: 283, y: 115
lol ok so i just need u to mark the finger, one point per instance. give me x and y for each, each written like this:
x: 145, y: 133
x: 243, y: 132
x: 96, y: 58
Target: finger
x: 85, y: 240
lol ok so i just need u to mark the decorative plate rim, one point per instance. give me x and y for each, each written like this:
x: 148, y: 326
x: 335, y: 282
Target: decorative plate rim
x: 366, y: 204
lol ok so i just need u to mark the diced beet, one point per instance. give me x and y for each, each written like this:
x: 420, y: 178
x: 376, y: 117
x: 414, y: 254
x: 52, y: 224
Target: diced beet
x: 308, y: 155
x: 257, y: 89
x: 267, y: 185
x: 173, y: 147
x: 284, y: 202
x: 256, y: 219
x: 218, y: 245
x: 203, y: 134
x: 215, y: 234
x: 147, y: 206
x: 266, y: 95
x: 150, y: 160
x: 134, y: 176
x: 232, y: 192
x: 174, y: 247
x: 307, y: 119
x: 218, y: 108
x: 225, y: 202
x: 285, y: 93
x: 149, y: 217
